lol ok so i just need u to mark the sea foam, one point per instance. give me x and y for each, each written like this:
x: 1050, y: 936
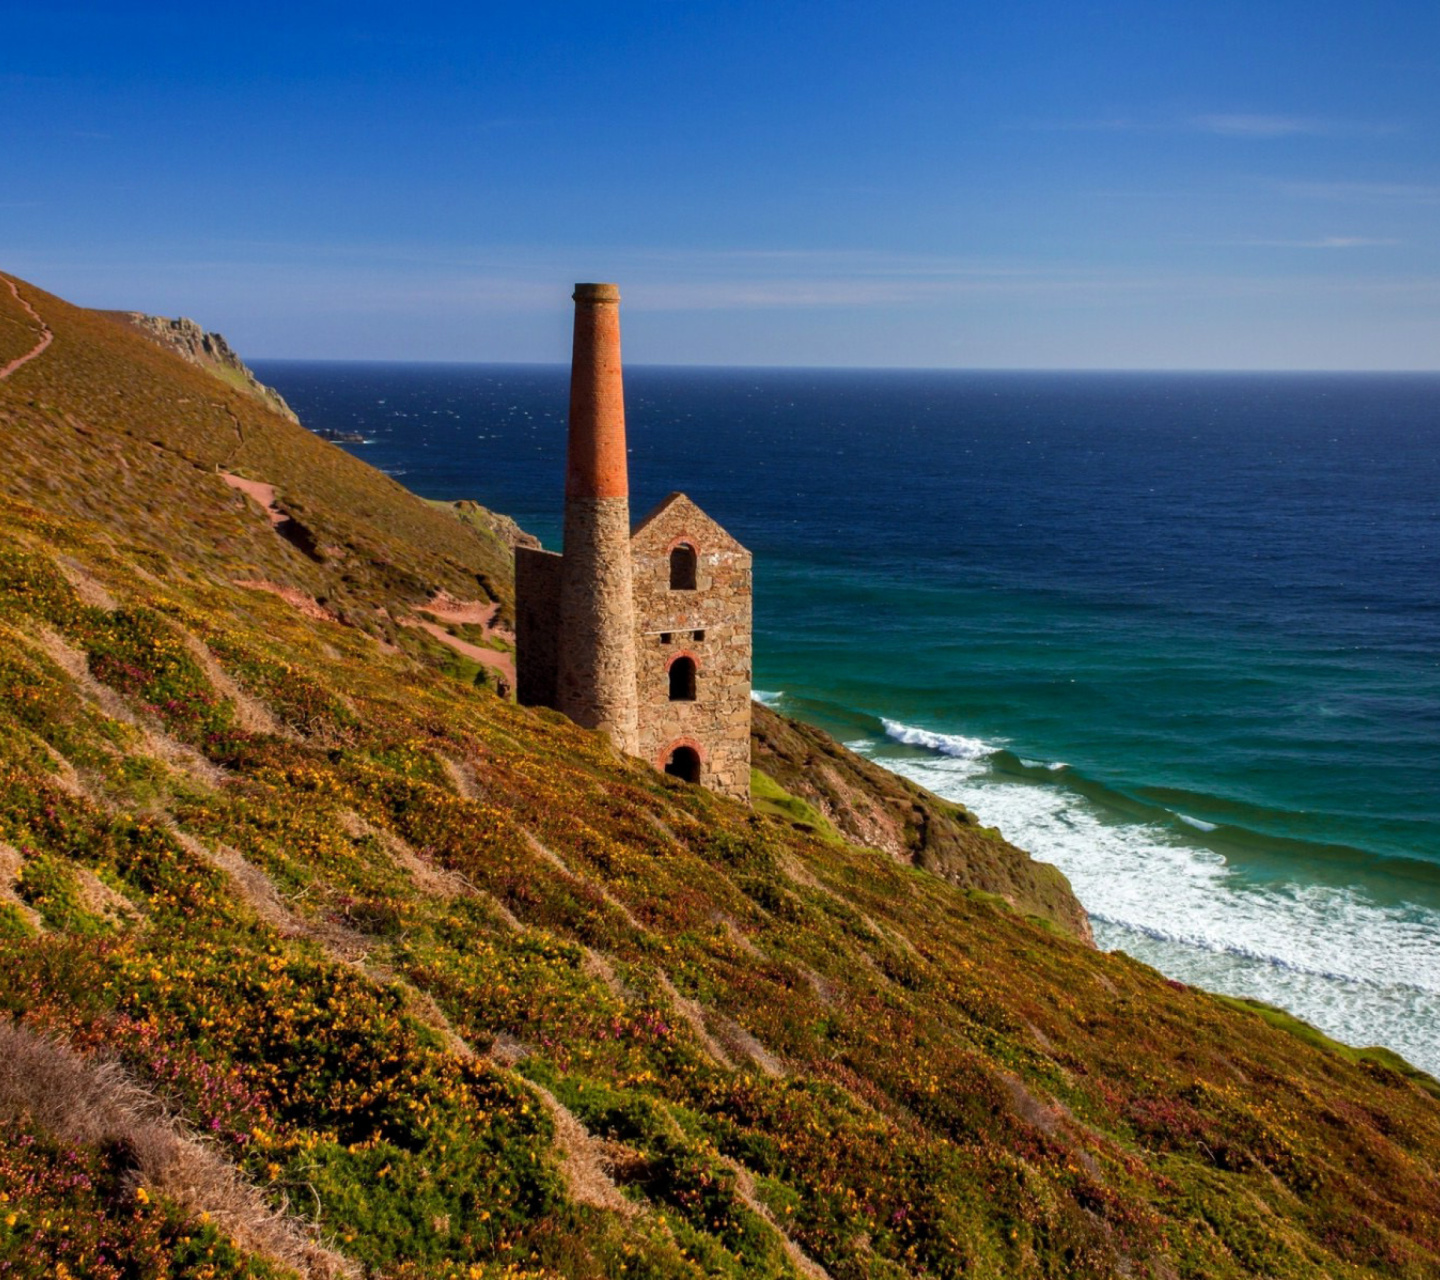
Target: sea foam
x: 1363, y: 971
x: 1198, y: 823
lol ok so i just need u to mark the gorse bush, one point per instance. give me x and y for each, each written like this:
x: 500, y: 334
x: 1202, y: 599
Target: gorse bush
x: 451, y: 990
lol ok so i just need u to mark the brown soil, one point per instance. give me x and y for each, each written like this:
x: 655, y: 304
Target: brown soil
x: 262, y: 493
x: 307, y: 604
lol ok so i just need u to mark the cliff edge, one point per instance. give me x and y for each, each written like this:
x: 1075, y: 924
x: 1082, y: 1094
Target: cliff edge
x: 870, y: 806
x: 208, y: 351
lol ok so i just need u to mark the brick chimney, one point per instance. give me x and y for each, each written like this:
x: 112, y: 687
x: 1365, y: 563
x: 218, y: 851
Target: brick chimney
x: 595, y: 683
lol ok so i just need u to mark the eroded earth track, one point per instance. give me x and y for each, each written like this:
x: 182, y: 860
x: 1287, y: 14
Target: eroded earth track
x: 46, y: 336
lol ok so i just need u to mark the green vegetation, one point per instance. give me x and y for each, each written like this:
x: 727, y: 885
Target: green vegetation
x: 458, y: 992
x: 1380, y: 1059
x: 768, y: 796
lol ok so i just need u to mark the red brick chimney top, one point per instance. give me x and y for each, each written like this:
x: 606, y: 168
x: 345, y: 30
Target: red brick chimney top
x: 595, y: 464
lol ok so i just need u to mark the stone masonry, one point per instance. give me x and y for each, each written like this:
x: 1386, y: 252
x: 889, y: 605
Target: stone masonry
x: 645, y: 636
x: 710, y: 626
x: 595, y: 653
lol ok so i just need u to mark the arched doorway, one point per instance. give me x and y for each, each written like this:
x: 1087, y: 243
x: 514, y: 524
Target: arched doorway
x: 684, y: 763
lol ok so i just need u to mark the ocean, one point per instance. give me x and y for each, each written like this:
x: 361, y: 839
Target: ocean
x: 1178, y: 634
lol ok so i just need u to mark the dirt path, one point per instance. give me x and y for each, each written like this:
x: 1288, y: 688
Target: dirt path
x: 480, y: 613
x: 450, y: 611
x: 46, y: 337
x: 296, y: 599
x: 501, y: 662
x: 263, y: 493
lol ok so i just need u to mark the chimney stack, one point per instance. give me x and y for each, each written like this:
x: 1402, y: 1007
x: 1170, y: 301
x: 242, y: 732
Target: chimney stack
x: 596, y: 667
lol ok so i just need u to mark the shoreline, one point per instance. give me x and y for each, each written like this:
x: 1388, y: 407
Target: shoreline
x: 1324, y: 953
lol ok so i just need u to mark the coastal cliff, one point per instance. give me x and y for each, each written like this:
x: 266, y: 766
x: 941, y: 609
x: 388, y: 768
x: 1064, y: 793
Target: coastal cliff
x: 317, y: 957
x: 211, y: 352
x: 872, y: 807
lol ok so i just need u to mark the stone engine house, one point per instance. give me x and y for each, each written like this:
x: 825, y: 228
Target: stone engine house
x: 644, y: 634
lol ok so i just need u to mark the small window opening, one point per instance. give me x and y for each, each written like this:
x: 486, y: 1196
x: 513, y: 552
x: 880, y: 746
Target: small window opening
x: 664, y: 637
x: 682, y: 680
x: 684, y: 763
x: 682, y: 568
x: 698, y: 635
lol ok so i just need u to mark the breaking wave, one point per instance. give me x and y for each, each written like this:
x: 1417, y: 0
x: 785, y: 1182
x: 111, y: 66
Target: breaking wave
x: 955, y: 745
x: 1362, y: 969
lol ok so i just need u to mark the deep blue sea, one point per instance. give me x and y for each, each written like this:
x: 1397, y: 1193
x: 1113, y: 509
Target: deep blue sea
x: 1178, y: 634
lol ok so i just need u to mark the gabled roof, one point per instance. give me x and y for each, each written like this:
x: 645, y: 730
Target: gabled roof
x: 677, y: 516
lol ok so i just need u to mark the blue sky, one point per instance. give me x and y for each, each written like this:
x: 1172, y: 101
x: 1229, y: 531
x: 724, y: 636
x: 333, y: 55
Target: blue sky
x: 1051, y: 184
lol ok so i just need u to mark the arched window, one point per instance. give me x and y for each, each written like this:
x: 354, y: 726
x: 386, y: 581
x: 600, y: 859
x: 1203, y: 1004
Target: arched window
x: 682, y: 680
x: 682, y: 568
x: 684, y: 762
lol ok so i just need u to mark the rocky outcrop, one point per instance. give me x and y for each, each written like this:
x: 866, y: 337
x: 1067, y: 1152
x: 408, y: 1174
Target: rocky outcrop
x: 501, y: 526
x: 871, y: 806
x: 211, y: 352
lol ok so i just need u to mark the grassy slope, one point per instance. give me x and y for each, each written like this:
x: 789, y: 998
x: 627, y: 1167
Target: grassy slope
x: 482, y: 998
x: 111, y: 415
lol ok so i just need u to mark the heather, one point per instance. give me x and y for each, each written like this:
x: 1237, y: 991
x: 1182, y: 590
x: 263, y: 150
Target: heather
x: 454, y: 990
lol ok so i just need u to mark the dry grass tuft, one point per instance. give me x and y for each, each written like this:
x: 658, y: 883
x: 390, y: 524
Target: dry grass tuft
x: 799, y: 1259
x: 100, y: 900
x: 742, y: 1044
x: 251, y: 714
x: 252, y: 885
x: 87, y: 589
x: 90, y: 1103
x: 10, y: 864
x: 694, y: 1017
x: 583, y: 1159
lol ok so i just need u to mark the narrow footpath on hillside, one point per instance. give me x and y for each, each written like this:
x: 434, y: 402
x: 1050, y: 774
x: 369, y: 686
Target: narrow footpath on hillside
x: 439, y: 614
x: 46, y: 337
x: 479, y: 613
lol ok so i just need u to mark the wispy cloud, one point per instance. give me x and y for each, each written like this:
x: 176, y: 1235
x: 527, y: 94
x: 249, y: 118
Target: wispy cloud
x: 1259, y: 126
x: 1322, y: 242
x: 1256, y: 126
x: 1364, y: 192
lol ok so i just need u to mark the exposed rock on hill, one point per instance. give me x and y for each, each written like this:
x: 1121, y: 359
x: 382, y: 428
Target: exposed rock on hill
x: 211, y: 352
x: 502, y: 526
x: 873, y: 807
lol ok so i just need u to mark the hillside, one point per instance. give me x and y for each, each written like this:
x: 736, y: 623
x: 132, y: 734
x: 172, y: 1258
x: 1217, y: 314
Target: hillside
x: 317, y: 956
x: 113, y: 418
x: 208, y: 351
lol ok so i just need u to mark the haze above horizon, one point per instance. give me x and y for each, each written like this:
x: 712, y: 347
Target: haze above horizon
x: 1026, y: 186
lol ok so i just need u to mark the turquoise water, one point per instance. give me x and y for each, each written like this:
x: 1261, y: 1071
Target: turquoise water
x: 1178, y: 634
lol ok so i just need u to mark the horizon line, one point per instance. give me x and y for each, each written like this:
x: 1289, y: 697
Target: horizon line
x: 856, y: 368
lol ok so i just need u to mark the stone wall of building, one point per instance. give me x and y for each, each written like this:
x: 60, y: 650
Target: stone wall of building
x: 709, y: 625
x: 595, y: 670
x: 537, y: 625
